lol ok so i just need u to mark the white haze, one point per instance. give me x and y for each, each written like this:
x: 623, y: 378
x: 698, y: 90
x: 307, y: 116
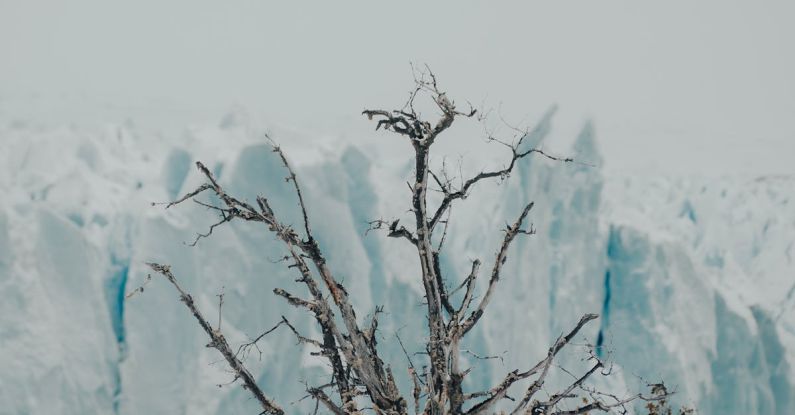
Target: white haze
x: 702, y: 87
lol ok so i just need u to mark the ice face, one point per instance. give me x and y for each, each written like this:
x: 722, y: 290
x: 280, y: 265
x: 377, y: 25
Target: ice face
x: 693, y: 278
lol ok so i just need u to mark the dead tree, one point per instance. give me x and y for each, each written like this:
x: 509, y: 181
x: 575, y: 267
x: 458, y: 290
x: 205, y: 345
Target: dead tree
x: 360, y: 378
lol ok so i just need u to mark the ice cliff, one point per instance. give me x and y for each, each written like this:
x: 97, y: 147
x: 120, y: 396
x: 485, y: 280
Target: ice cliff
x: 694, y: 278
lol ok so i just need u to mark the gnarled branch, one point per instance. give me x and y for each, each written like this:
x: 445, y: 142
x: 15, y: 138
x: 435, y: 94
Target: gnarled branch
x: 218, y: 342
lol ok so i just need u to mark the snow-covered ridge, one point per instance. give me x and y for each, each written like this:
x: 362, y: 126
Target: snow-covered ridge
x: 694, y: 278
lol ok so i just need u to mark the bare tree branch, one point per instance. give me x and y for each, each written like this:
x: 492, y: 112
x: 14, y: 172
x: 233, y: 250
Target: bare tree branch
x: 500, y: 391
x: 463, y: 191
x: 394, y: 230
x: 359, y: 376
x: 243, y: 348
x: 218, y: 342
x: 293, y: 178
x: 510, y: 234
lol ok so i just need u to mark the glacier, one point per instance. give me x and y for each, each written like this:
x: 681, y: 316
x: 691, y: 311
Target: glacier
x: 693, y: 277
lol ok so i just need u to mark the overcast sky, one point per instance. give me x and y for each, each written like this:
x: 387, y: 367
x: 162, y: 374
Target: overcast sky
x: 695, y: 87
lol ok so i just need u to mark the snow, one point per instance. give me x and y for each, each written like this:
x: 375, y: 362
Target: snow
x: 693, y: 276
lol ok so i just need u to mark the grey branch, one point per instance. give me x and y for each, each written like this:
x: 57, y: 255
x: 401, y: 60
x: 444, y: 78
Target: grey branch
x: 502, y: 255
x: 218, y: 342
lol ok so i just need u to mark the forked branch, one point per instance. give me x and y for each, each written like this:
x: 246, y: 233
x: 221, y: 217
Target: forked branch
x: 218, y: 342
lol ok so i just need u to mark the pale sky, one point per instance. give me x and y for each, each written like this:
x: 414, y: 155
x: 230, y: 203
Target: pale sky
x: 693, y: 87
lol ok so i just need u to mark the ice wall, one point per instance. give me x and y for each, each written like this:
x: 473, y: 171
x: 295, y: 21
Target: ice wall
x: 693, y: 278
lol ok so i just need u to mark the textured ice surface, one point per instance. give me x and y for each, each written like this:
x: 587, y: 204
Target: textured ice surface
x: 694, y: 278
